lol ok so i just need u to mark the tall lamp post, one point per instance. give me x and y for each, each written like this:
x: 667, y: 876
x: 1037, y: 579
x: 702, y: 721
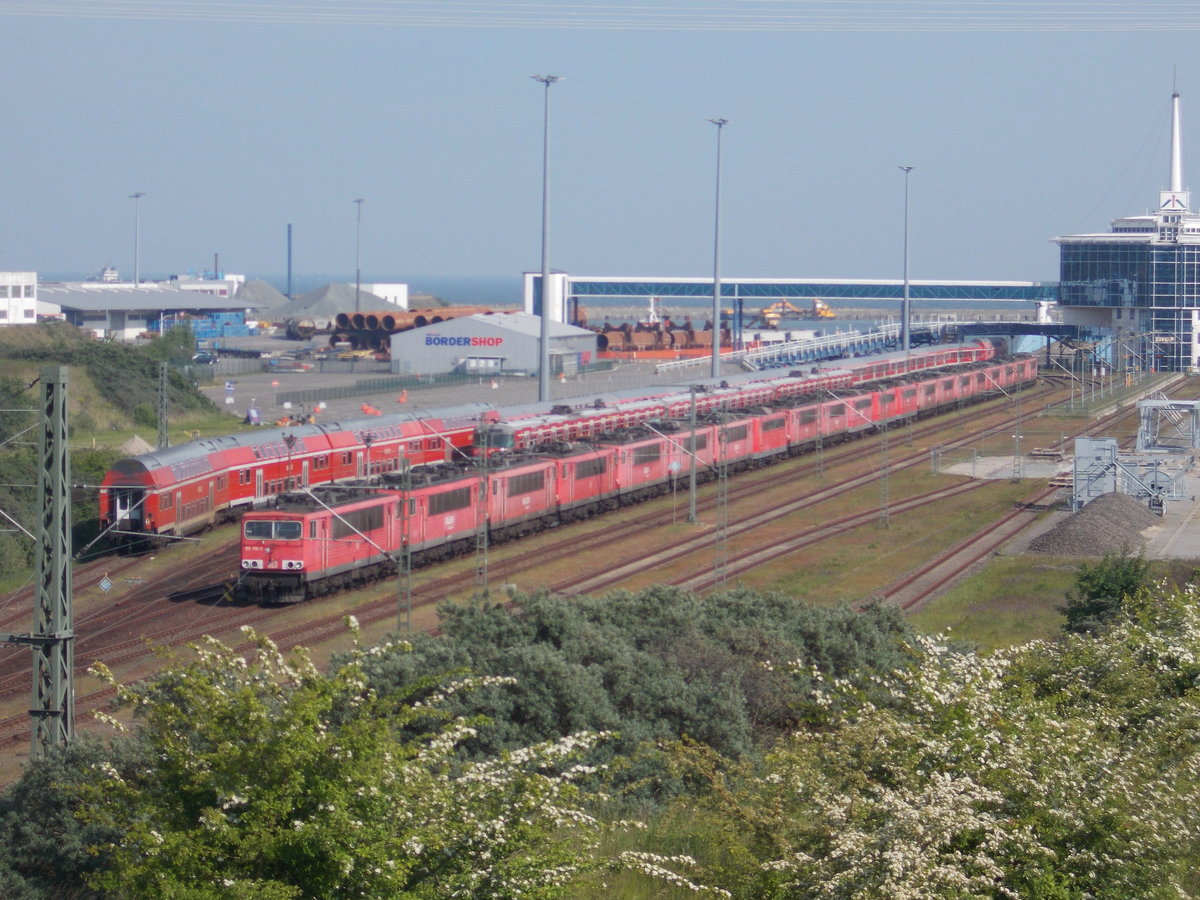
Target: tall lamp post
x: 357, y: 251
x: 137, y: 212
x: 716, y: 310
x: 544, y: 339
x: 905, y: 308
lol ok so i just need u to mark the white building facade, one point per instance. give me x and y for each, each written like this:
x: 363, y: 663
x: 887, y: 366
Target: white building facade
x: 18, y: 298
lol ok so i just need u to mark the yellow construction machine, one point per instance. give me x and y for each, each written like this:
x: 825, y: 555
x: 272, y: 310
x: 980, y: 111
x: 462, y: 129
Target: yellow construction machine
x: 782, y: 309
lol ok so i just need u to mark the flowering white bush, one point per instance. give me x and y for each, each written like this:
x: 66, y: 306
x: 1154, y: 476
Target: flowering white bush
x: 1062, y: 769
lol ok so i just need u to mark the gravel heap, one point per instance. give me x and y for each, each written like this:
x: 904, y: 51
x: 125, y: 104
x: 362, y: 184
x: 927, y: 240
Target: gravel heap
x: 1111, y: 523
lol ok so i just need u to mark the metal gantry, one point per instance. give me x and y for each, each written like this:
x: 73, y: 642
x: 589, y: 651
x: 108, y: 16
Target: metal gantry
x: 53, y: 636
x: 1168, y: 425
x: 1099, y: 468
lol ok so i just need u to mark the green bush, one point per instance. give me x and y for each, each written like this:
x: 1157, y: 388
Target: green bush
x: 1101, y: 591
x: 654, y: 666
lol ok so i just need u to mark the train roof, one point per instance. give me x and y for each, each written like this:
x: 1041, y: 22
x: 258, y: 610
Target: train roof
x: 194, y: 454
x: 329, y: 496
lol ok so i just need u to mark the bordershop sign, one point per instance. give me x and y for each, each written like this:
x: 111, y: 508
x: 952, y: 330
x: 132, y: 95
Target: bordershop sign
x: 435, y: 340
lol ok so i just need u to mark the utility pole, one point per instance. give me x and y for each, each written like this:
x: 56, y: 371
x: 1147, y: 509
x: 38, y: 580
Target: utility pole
x: 885, y: 503
x: 53, y: 637
x: 482, y: 510
x: 404, y: 570
x: 721, y: 556
x: 163, y: 436
x: 692, y: 465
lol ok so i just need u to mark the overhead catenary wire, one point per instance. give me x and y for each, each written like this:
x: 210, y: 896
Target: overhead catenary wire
x: 685, y: 15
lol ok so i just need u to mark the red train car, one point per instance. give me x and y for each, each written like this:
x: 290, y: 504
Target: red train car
x: 190, y: 486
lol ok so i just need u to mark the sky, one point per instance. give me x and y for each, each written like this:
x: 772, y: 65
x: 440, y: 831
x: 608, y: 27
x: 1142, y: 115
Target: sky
x: 1022, y: 121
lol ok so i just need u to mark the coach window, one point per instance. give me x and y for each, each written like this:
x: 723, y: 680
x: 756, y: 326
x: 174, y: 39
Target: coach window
x: 312, y: 529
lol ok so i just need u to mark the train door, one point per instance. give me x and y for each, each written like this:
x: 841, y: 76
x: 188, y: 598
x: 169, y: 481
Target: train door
x: 304, y: 474
x: 258, y: 484
x: 360, y: 464
x: 318, y: 532
x: 127, y: 508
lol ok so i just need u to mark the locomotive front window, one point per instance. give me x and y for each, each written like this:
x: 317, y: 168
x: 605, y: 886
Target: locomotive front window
x: 288, y: 531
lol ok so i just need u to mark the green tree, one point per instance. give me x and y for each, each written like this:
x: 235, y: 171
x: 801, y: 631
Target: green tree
x: 1100, y: 591
x: 176, y: 345
x: 45, y: 849
x: 273, y: 780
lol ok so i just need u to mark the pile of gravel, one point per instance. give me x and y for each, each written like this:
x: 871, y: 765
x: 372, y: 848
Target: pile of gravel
x: 1111, y: 523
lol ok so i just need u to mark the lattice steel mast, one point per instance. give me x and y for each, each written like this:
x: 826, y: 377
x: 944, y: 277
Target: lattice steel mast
x: 53, y: 637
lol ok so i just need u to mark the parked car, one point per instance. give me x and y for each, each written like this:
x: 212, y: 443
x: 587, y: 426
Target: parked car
x: 205, y: 357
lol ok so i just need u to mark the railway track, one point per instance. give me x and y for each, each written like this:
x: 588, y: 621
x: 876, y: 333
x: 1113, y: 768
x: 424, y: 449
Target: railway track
x: 921, y: 585
x: 118, y: 648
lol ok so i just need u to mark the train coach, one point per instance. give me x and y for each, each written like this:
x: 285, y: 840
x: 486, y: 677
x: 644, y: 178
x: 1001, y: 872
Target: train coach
x: 186, y: 488
x: 297, y: 550
x: 182, y: 489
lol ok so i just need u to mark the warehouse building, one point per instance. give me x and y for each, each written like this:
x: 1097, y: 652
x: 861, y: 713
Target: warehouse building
x: 490, y: 344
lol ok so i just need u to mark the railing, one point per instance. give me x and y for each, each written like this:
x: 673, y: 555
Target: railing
x: 829, y: 346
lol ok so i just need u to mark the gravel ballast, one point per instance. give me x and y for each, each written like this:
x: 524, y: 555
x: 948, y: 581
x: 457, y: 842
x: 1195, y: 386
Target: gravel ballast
x: 1111, y: 523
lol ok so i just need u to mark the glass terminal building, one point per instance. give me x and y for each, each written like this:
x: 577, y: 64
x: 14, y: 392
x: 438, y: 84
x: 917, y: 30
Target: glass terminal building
x: 1142, y: 279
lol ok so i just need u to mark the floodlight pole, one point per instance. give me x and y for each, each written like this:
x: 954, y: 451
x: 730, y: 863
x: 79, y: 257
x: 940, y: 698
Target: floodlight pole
x: 137, y: 223
x: 544, y: 339
x: 905, y: 307
x: 716, y: 312
x: 357, y: 252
